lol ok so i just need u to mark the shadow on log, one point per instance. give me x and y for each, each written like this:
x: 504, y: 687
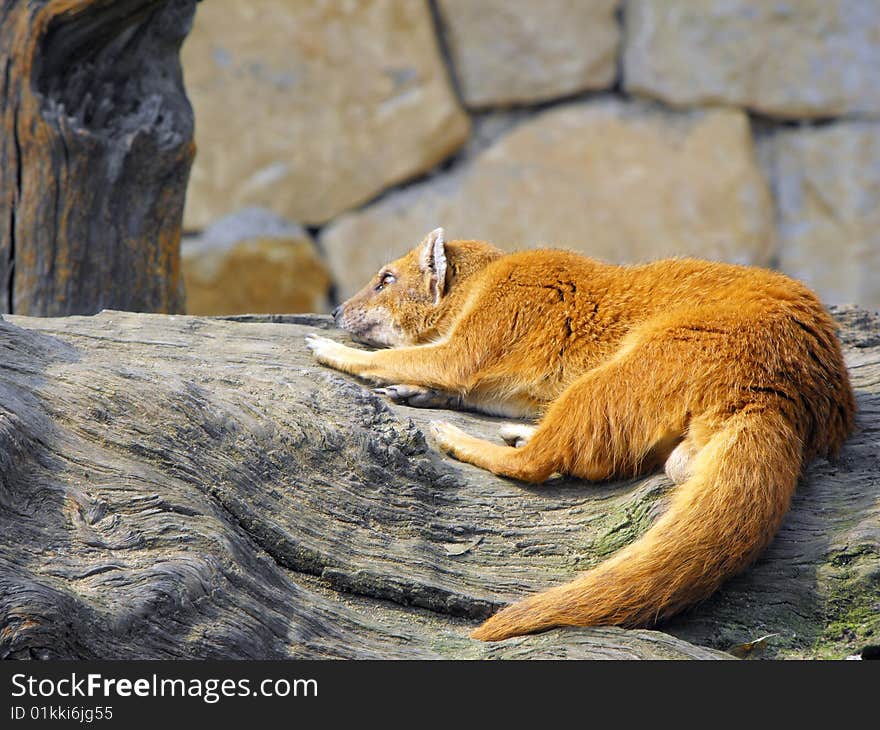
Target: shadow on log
x: 95, y: 152
x: 189, y: 488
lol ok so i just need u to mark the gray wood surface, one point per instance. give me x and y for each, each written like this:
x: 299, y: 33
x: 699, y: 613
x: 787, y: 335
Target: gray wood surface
x: 185, y: 487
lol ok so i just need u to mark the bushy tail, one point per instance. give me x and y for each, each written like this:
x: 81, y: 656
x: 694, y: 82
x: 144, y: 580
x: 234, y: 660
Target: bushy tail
x: 717, y: 524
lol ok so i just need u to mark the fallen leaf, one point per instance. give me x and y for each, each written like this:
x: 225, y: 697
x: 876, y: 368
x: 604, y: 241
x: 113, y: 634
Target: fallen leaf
x: 743, y: 650
x: 457, y: 548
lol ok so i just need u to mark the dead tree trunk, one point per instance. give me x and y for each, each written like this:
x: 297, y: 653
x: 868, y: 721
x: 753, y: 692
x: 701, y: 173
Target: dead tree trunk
x: 95, y: 151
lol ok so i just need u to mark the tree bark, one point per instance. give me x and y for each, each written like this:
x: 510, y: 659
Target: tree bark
x: 185, y: 487
x: 95, y: 152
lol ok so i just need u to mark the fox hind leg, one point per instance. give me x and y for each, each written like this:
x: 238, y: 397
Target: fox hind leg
x: 503, y: 460
x: 613, y: 421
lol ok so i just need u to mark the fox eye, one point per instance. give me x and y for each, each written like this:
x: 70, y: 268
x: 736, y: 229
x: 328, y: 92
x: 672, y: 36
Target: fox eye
x: 386, y: 279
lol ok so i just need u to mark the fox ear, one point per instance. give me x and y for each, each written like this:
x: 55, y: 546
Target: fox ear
x: 432, y: 261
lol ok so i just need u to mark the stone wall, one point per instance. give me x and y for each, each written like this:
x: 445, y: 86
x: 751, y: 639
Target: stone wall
x: 740, y: 130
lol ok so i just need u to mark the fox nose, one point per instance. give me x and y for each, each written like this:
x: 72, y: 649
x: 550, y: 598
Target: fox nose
x: 336, y: 312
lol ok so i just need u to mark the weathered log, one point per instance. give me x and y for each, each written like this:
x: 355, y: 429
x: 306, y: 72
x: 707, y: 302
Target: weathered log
x: 95, y: 151
x: 186, y: 487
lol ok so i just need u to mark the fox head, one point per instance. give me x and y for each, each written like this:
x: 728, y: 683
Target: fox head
x: 408, y: 301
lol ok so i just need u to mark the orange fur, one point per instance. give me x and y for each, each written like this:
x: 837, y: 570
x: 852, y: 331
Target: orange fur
x: 730, y: 375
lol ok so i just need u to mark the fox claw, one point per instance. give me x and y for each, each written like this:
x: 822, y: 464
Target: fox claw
x: 417, y: 396
x: 322, y: 347
x: 336, y: 355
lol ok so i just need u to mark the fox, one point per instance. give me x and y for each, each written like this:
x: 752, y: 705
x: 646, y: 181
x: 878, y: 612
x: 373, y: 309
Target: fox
x: 729, y: 377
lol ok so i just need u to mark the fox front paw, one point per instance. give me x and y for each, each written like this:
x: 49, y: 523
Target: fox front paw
x: 335, y: 354
x: 418, y: 396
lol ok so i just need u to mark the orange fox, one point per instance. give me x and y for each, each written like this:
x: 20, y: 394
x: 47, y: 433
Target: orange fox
x: 730, y: 376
